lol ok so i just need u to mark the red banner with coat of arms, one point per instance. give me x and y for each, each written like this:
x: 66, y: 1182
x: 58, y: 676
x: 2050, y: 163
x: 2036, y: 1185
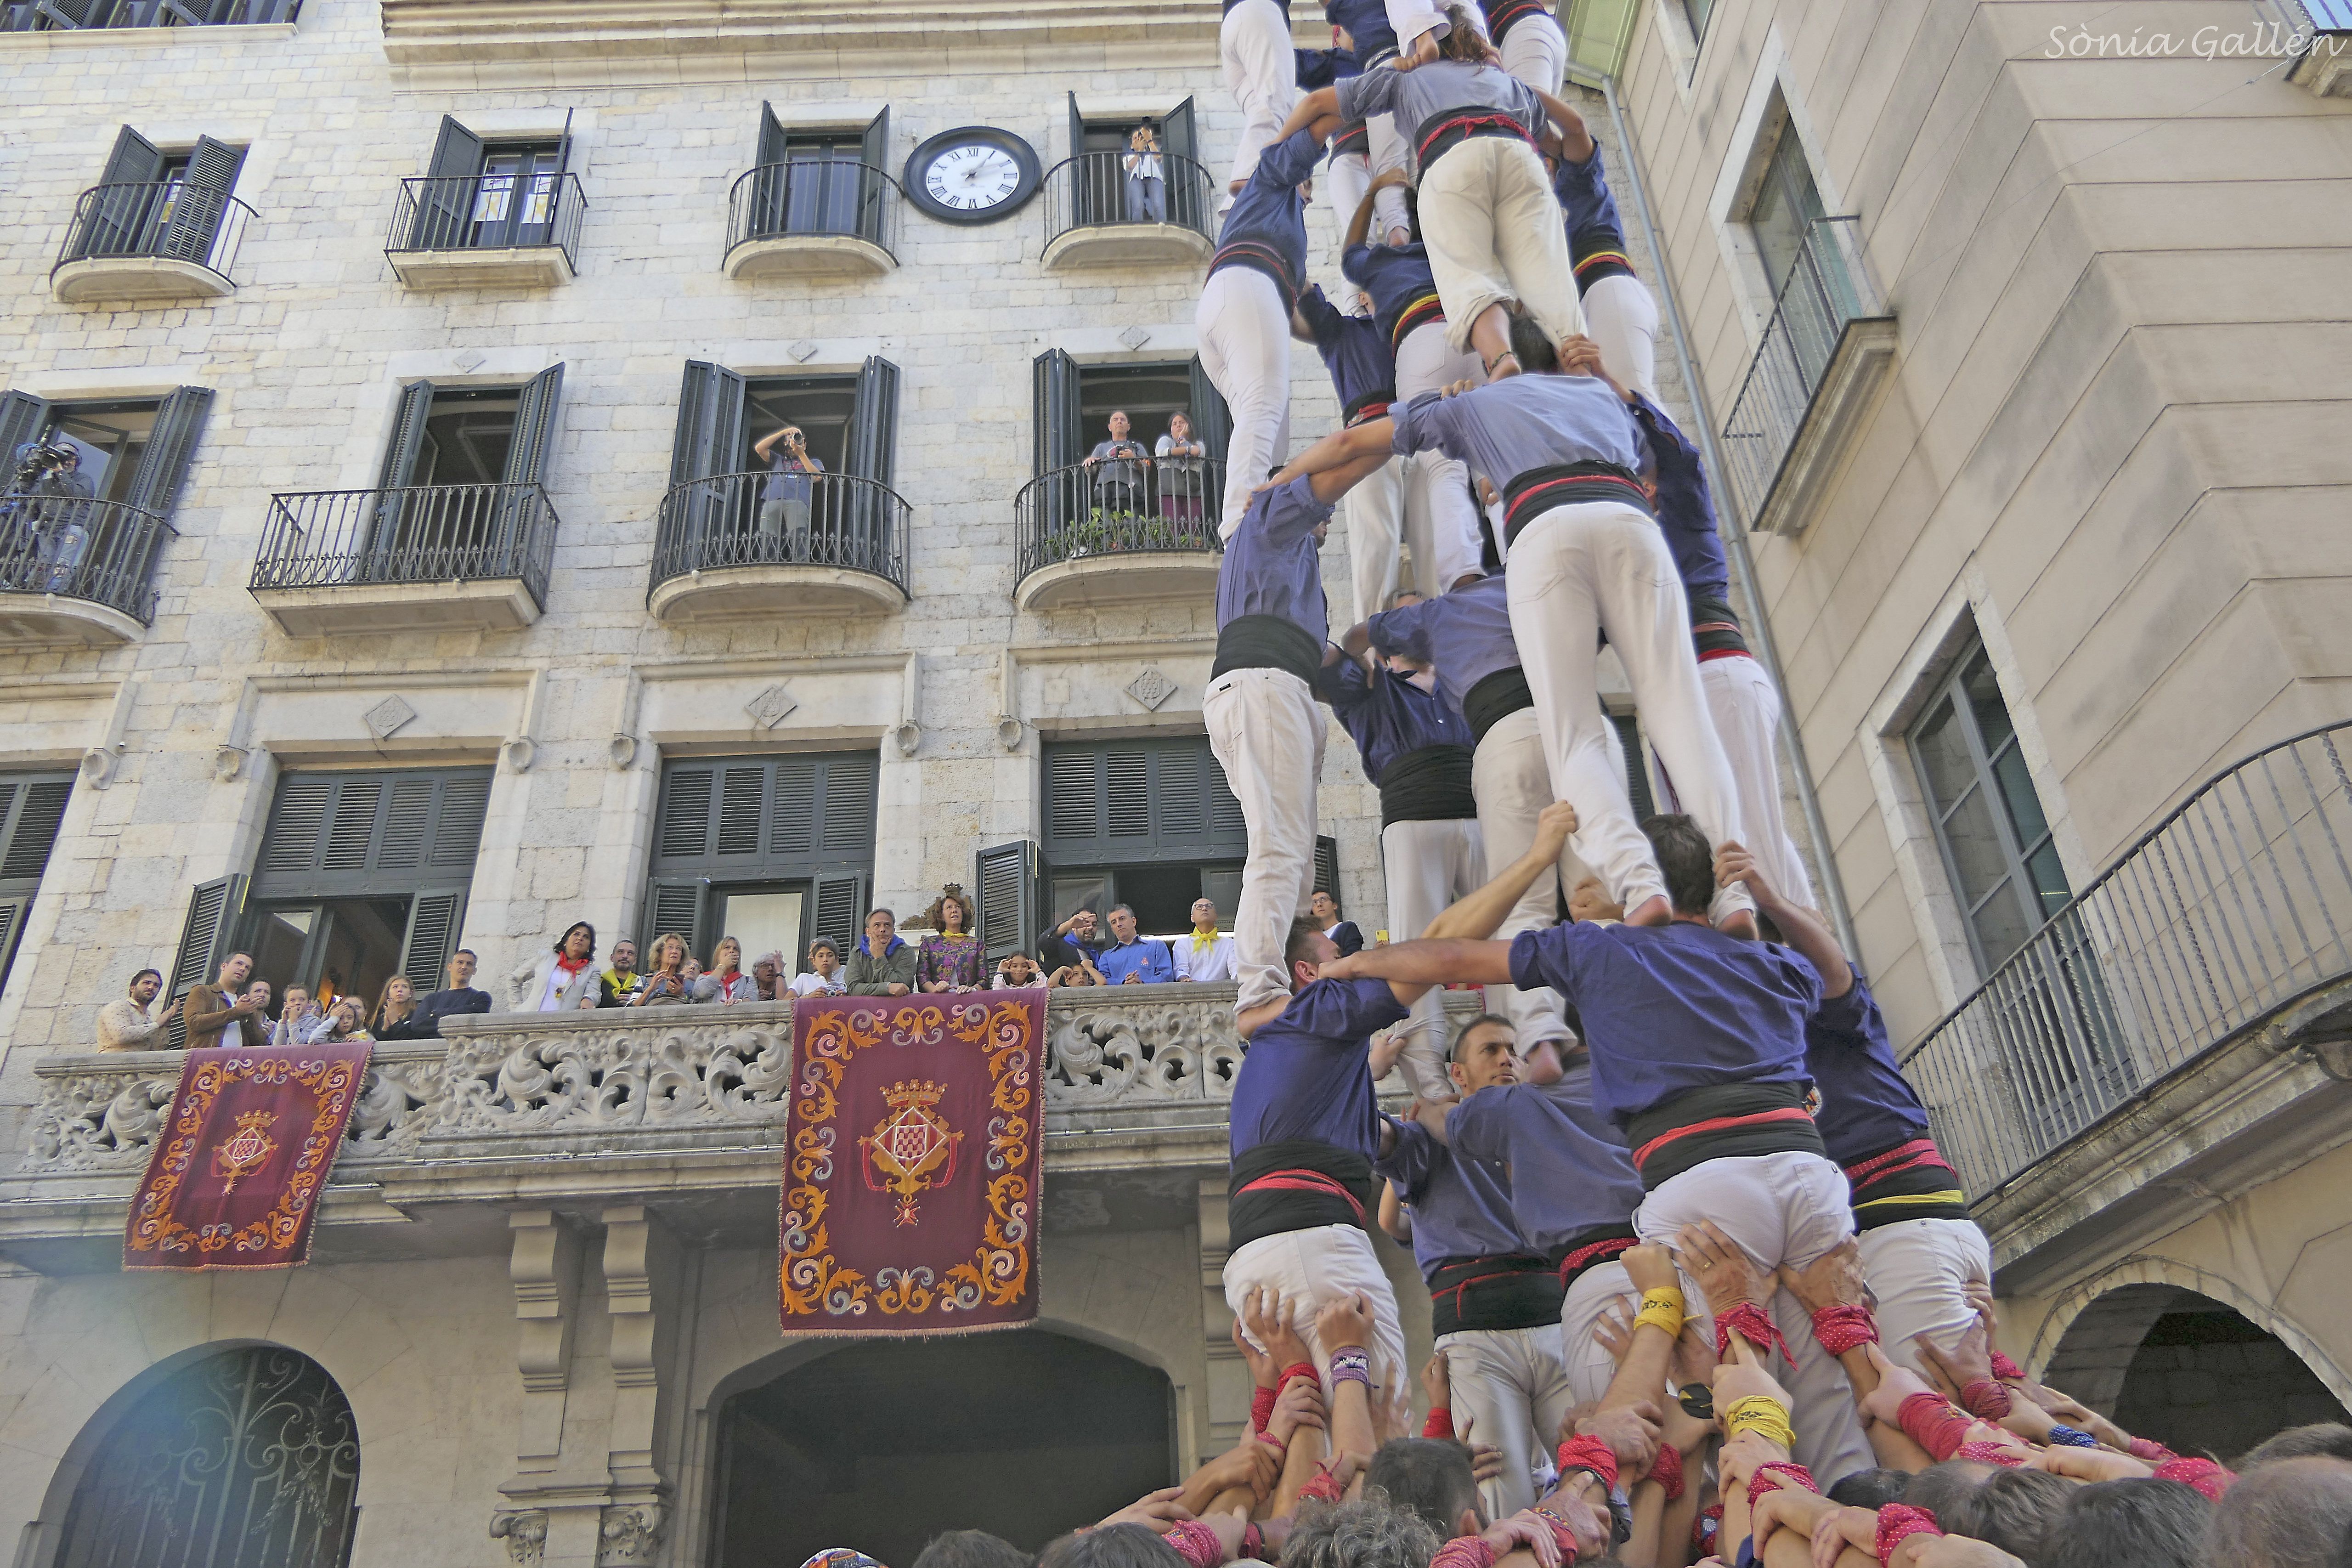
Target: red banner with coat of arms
x: 913, y: 1150
x: 235, y: 1179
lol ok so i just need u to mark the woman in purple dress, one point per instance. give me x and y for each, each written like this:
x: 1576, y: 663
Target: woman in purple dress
x: 949, y: 959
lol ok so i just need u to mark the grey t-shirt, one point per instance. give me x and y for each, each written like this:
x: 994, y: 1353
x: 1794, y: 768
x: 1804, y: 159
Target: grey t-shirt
x: 1116, y: 463
x: 1415, y: 96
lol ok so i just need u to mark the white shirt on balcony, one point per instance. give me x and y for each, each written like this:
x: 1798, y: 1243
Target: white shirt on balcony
x: 1199, y: 959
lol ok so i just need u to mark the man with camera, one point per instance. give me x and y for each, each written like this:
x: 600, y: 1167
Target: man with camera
x: 47, y: 515
x: 784, y: 500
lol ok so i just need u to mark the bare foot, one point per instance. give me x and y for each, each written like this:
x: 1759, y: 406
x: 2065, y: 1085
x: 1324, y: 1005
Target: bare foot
x: 1653, y: 911
x: 1502, y: 364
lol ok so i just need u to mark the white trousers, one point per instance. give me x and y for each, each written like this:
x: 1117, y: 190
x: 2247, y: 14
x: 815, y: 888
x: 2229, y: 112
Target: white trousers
x: 1346, y: 176
x: 1512, y: 785
x: 1535, y: 52
x: 1244, y: 344
x: 1576, y: 570
x: 1495, y: 237
x: 1620, y: 316
x: 1786, y: 1208
x: 1311, y: 1268
x: 1349, y: 175
x: 1590, y: 1367
x: 1428, y: 865
x: 1267, y: 734
x: 1388, y: 148
x: 1746, y: 710
x: 1261, y: 72
x: 1441, y: 513
x: 1375, y: 510
x: 1918, y: 1269
x: 1509, y: 1385
x: 1423, y: 502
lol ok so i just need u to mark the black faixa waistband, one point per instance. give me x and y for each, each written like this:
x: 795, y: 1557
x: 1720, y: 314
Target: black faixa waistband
x: 1352, y: 137
x: 1720, y: 1121
x: 1431, y: 784
x: 1266, y: 642
x: 1516, y: 1291
x: 1537, y: 492
x: 1297, y: 1184
x: 1714, y: 629
x: 1496, y: 698
x: 1372, y: 405
x: 1504, y: 14
x: 1449, y: 128
x: 1260, y: 259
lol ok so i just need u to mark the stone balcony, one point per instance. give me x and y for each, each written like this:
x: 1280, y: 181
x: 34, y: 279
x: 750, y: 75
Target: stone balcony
x: 683, y: 1109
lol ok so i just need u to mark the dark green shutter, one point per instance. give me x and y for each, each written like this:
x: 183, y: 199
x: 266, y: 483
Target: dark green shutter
x: 874, y: 152
x: 1327, y: 865
x: 208, y: 937
x: 1057, y: 436
x: 742, y: 822
x: 30, y: 810
x: 1212, y: 422
x: 444, y: 217
x: 12, y: 926
x: 202, y: 201
x: 1637, y: 774
x: 171, y: 445
x: 679, y: 905
x: 1180, y: 140
x: 772, y: 141
x: 1086, y: 205
x: 73, y: 12
x: 407, y: 435
x: 1128, y: 802
x: 433, y: 918
x: 117, y: 219
x: 873, y: 445
x: 709, y: 435
x: 534, y: 427
x: 336, y: 835
x: 23, y: 417
x: 134, y: 161
x: 840, y: 912
x: 1006, y: 876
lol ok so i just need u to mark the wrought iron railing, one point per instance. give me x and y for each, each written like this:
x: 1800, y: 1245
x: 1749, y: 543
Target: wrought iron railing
x: 488, y: 212
x: 171, y: 220
x: 101, y: 552
x: 2237, y: 904
x: 811, y: 519
x: 813, y: 196
x: 1094, y: 190
x: 50, y: 16
x: 422, y: 535
x: 1827, y: 286
x: 1118, y: 507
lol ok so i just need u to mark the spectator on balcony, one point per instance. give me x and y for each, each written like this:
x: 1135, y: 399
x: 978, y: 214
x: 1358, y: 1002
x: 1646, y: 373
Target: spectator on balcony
x: 667, y: 981
x: 1075, y: 941
x: 784, y: 500
x: 344, y: 1023
x: 1080, y: 973
x: 1015, y: 971
x: 562, y: 980
x: 299, y: 1021
x: 1147, y: 187
x: 1133, y: 960
x: 692, y: 972
x: 460, y: 998
x: 1182, y: 479
x: 396, y: 1016
x: 824, y: 976
x: 223, y: 1012
x: 49, y: 519
x: 1118, y: 465
x: 768, y: 974
x: 725, y: 983
x: 951, y: 957
x: 125, y: 1025
x: 883, y: 965
x: 615, y: 987
x: 1206, y: 953
x: 1343, y: 933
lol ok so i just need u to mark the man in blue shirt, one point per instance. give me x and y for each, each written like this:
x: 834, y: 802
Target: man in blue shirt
x: 1132, y: 960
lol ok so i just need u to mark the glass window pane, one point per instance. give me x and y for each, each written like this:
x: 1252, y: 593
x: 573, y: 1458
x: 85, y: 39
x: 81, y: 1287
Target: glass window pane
x: 2016, y: 786
x: 1985, y: 702
x: 2049, y: 879
x: 1077, y: 891
x: 1978, y: 857
x: 2001, y: 926
x: 761, y: 923
x: 1942, y: 749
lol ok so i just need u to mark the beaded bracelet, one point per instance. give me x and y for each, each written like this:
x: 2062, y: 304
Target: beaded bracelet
x: 1349, y: 1363
x: 1561, y: 1535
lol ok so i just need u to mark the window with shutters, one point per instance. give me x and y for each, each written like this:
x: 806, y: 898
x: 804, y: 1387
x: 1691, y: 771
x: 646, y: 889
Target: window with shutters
x: 1146, y: 822
x: 31, y: 807
x: 1151, y: 484
x: 168, y: 203
x: 98, y: 539
x: 1136, y: 169
x: 362, y: 875
x: 61, y: 16
x: 488, y: 210
x: 772, y: 851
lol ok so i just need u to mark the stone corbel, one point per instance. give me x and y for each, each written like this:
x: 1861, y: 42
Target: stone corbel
x: 642, y: 1271
x: 234, y: 749
x: 524, y: 1531
x: 228, y: 761
x: 545, y: 1270
x: 518, y: 749
x: 99, y: 763
x: 623, y: 746
x: 907, y: 733
x: 1010, y: 731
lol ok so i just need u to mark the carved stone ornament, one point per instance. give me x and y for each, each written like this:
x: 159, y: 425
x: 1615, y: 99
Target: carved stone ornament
x: 630, y: 1535
x: 1151, y: 689
x: 802, y: 352
x: 623, y: 748
x: 770, y: 708
x: 1135, y: 337
x: 1120, y: 1054
x: 386, y: 717
x: 519, y: 752
x: 525, y: 1533
x: 98, y: 765
x: 228, y: 761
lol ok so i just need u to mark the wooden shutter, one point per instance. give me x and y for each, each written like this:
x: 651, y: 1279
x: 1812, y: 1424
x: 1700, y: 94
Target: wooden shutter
x: 134, y: 161
x: 1006, y: 876
x: 1212, y: 422
x: 30, y: 810
x: 1058, y: 432
x: 773, y: 143
x: 208, y: 937
x: 433, y: 918
x: 443, y: 215
x: 872, y: 447
x: 676, y: 904
x: 407, y: 435
x: 12, y: 926
x: 1637, y: 771
x: 353, y: 834
x: 840, y: 910
x: 163, y: 464
x: 796, y: 815
x: 118, y: 218
x: 682, y: 827
x: 874, y: 152
x: 534, y: 427
x: 1180, y: 139
x: 1086, y: 199
x: 73, y: 12
x: 203, y: 200
x: 1128, y: 802
x: 851, y: 785
x: 1327, y: 865
x: 709, y: 435
x: 23, y: 417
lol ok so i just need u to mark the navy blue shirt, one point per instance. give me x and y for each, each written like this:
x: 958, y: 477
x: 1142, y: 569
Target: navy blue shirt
x: 1394, y: 276
x: 1583, y: 193
x: 1266, y: 228
x: 1571, y: 1173
x: 1867, y: 1105
x: 1271, y: 567
x: 1461, y: 1207
x: 1466, y: 634
x: 1322, y: 67
x: 1388, y: 716
x: 1354, y: 350
x: 1367, y: 22
x: 1308, y: 1073
x: 1685, y: 509
x: 1668, y: 1009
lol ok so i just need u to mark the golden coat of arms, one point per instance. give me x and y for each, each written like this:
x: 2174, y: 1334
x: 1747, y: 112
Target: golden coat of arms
x: 245, y: 1151
x: 912, y: 1149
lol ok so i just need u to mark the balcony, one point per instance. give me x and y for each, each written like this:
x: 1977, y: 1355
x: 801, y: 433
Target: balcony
x: 150, y: 242
x: 2322, y: 65
x: 74, y: 574
x: 722, y: 552
x: 1093, y: 220
x: 812, y: 218
x: 481, y: 231
x: 92, y: 16
x: 1086, y: 539
x: 423, y: 559
x: 2182, y: 1026
x: 1826, y: 350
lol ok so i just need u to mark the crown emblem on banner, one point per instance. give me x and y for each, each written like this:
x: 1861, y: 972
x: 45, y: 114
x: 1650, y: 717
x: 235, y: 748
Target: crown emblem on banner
x: 244, y: 1151
x: 912, y: 1149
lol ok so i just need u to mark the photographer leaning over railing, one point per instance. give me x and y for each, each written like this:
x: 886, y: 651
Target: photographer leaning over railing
x: 44, y: 518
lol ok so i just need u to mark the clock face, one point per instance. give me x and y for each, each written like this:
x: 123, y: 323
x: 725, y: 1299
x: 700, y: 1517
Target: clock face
x: 971, y: 175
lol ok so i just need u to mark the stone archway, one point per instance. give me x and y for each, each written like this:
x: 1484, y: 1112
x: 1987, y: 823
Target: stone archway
x: 880, y: 1445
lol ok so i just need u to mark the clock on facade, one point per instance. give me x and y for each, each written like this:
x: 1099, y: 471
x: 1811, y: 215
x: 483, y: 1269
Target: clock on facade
x: 975, y: 174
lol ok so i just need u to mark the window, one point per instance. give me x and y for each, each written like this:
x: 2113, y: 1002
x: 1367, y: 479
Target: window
x: 46, y: 16
x: 149, y: 202
x: 461, y: 479
x: 1989, y: 822
x: 1118, y: 506
x: 773, y: 851
x: 1147, y: 821
x: 494, y: 196
x: 1787, y: 207
x: 31, y: 806
x: 134, y: 456
x: 818, y: 180
x: 1100, y: 190
x: 1698, y: 11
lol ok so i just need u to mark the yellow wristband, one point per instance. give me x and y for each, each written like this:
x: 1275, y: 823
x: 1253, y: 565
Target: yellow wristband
x: 1661, y: 1309
x: 1762, y: 1414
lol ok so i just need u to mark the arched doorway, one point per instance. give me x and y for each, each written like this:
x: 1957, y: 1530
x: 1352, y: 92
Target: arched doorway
x: 882, y: 1445
x: 2192, y: 1372
x: 249, y: 1457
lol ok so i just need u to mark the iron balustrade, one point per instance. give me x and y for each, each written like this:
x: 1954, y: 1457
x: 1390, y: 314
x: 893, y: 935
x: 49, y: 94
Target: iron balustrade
x: 1827, y: 286
x: 488, y: 212
x: 2236, y: 905
x: 837, y: 520
x: 419, y: 533
x: 1119, y: 506
x: 168, y: 220
x: 83, y: 15
x: 100, y: 552
x: 1091, y: 191
x: 813, y: 196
